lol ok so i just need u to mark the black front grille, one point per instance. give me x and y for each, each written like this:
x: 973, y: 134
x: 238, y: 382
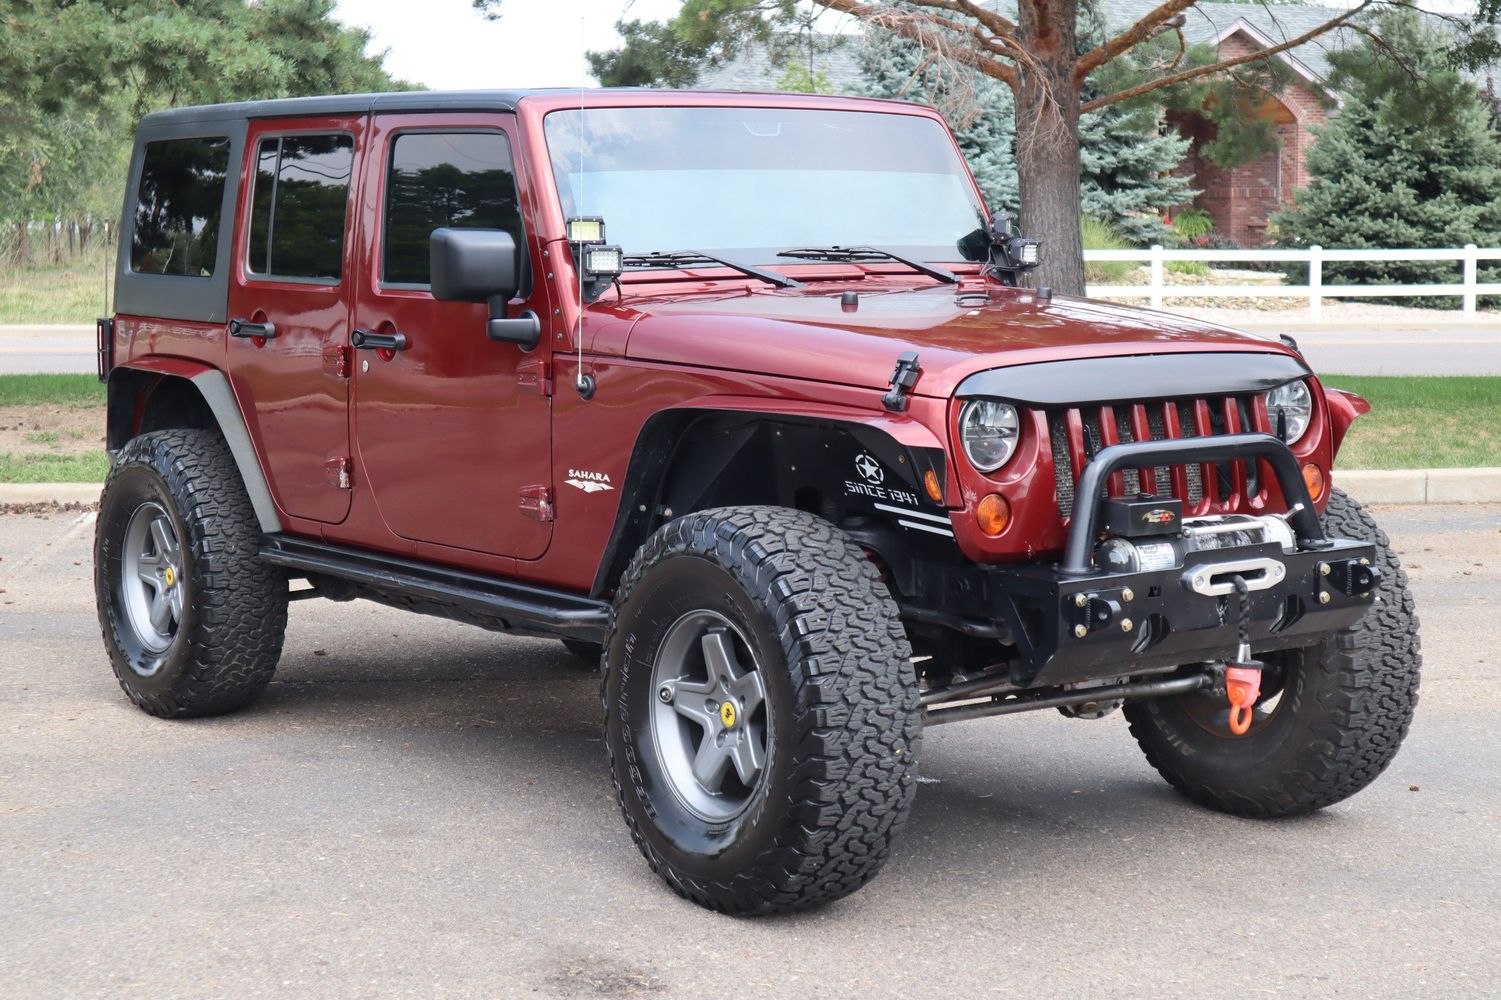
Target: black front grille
x: 1101, y: 426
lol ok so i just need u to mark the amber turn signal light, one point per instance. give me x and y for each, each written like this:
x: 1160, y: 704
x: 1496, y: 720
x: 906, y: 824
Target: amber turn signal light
x: 1313, y: 478
x: 993, y: 514
x: 931, y: 483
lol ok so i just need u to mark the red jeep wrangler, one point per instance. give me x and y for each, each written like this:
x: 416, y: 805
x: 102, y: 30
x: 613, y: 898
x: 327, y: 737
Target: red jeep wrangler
x: 738, y: 396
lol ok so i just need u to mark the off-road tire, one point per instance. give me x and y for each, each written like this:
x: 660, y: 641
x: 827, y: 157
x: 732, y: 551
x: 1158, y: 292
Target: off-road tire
x: 227, y: 643
x: 1347, y: 704
x: 841, y: 760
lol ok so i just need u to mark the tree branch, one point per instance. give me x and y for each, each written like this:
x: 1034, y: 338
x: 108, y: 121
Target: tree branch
x: 908, y: 26
x: 1131, y: 37
x: 1227, y: 64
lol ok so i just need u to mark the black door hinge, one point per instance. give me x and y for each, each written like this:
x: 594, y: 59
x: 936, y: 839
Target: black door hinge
x: 902, y: 380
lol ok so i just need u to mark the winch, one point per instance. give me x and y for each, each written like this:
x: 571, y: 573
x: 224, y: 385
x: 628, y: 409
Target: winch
x: 1133, y: 546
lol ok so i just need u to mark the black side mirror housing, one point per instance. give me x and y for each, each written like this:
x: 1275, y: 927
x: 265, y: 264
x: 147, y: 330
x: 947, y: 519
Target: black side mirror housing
x: 483, y: 265
x: 474, y: 265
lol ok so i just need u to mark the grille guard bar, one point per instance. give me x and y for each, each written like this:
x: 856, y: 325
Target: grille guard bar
x: 1078, y: 553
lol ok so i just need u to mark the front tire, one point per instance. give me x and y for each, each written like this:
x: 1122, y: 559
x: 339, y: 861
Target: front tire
x: 192, y: 617
x: 1338, y: 710
x: 761, y: 710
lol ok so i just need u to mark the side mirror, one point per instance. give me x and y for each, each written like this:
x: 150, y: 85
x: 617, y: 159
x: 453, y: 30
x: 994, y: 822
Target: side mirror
x: 483, y: 265
x: 474, y: 265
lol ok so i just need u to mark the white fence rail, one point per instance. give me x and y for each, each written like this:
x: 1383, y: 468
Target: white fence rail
x: 1315, y: 257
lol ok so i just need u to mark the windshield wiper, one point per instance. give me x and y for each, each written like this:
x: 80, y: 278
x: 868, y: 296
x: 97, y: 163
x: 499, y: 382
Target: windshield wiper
x: 857, y: 255
x: 687, y: 258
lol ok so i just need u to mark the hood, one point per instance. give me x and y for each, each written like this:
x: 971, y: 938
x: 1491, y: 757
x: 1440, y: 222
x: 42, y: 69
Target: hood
x: 956, y: 330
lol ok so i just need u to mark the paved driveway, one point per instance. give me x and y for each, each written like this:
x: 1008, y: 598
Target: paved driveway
x: 421, y: 809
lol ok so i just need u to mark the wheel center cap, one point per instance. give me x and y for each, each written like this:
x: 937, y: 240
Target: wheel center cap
x: 727, y: 714
x: 169, y: 576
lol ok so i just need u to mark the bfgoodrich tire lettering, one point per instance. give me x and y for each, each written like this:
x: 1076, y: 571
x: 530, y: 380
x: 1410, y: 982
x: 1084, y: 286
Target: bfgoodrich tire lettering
x: 1345, y: 707
x: 223, y: 644
x: 842, y: 719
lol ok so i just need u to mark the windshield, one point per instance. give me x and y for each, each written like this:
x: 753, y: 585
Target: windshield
x: 746, y: 183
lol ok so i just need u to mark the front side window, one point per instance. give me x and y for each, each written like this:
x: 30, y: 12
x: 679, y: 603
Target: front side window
x: 178, y: 206
x: 437, y: 180
x: 748, y: 183
x: 298, y: 207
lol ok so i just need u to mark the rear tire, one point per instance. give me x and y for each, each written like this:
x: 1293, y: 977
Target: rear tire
x: 1343, y: 709
x: 193, y: 618
x: 815, y: 668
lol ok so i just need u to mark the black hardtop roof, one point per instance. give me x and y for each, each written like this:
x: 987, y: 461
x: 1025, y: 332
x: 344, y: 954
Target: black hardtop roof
x: 344, y: 104
x: 411, y: 101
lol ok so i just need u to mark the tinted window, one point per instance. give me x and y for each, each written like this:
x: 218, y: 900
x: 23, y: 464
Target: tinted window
x: 437, y: 180
x: 297, y: 209
x: 178, y: 205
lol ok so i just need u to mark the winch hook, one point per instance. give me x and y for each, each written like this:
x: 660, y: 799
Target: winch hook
x: 1243, y: 674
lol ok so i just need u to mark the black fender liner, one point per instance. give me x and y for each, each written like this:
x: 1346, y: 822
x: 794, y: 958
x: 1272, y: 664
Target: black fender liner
x: 681, y: 453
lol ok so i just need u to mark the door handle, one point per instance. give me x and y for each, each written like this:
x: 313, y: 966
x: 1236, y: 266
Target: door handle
x: 247, y: 329
x: 369, y: 340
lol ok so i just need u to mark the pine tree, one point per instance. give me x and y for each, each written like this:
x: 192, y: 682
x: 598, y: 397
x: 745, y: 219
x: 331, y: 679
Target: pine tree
x: 1404, y: 164
x: 1126, y: 158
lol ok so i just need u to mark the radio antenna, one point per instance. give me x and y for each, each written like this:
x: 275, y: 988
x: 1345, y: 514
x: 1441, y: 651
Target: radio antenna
x: 582, y: 382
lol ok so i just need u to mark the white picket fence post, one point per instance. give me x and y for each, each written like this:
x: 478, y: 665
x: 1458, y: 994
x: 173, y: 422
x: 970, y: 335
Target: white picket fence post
x: 1469, y: 278
x: 1315, y: 282
x: 1157, y: 281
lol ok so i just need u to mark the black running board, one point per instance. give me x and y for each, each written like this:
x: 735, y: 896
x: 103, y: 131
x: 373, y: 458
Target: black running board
x: 491, y: 602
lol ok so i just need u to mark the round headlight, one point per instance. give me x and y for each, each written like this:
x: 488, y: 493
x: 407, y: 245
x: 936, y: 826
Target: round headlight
x: 1290, y: 405
x: 988, y: 430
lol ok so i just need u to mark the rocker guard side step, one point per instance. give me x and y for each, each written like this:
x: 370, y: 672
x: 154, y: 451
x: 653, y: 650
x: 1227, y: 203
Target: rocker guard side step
x: 505, y: 605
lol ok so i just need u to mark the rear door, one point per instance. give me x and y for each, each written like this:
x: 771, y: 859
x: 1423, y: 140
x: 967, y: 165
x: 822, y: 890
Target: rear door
x: 289, y: 304
x: 454, y: 430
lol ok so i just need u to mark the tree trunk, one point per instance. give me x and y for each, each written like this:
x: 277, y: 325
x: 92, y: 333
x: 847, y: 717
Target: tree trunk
x: 1047, y: 143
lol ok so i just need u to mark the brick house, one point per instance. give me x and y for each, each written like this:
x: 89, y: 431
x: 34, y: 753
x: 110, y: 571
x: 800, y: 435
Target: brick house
x: 1240, y: 200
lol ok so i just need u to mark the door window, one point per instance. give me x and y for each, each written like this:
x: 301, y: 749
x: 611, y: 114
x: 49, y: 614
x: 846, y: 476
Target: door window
x: 178, y: 206
x: 461, y: 180
x: 297, y: 209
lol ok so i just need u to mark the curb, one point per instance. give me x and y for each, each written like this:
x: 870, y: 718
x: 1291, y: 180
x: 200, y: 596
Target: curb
x: 1396, y: 486
x: 58, y: 493
x: 1422, y: 485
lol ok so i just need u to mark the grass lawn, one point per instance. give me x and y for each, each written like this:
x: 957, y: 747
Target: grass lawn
x: 71, y: 293
x: 52, y: 426
x: 1423, y: 422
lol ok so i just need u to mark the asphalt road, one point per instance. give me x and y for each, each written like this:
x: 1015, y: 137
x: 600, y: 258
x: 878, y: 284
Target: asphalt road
x: 421, y: 809
x: 1386, y: 349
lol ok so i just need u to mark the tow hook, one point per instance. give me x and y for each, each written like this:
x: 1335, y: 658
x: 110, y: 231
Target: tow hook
x: 1243, y: 674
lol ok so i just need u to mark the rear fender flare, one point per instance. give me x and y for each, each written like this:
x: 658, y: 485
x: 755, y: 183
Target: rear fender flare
x: 901, y: 444
x: 131, y: 383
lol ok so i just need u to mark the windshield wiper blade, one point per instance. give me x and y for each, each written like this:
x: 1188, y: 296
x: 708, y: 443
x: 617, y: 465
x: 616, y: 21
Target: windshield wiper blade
x: 856, y: 255
x: 687, y: 258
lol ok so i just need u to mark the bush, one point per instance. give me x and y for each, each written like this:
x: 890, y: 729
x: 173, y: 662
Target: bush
x: 1100, y: 235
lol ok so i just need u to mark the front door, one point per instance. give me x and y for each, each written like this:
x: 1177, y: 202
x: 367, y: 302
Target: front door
x: 453, y: 430
x: 289, y: 308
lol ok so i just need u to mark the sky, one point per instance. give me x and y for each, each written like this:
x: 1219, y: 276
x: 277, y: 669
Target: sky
x: 445, y: 44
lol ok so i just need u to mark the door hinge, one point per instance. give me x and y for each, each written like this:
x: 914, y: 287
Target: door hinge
x: 535, y: 375
x: 336, y: 360
x: 536, y: 503
x: 337, y: 470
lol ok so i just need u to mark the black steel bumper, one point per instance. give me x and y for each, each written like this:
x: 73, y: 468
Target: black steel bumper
x: 1073, y: 622
x: 1071, y: 628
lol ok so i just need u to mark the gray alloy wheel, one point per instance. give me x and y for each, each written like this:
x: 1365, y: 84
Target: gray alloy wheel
x: 709, y: 726
x: 152, y: 582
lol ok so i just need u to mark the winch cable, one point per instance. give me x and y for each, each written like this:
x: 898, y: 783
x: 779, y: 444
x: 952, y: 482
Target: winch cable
x: 1242, y: 674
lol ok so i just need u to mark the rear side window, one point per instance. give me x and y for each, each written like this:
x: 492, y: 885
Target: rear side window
x: 298, y: 207
x: 459, y: 180
x: 178, y: 207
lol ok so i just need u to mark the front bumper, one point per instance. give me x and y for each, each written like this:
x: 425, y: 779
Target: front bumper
x: 1069, y: 628
x: 1074, y: 622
